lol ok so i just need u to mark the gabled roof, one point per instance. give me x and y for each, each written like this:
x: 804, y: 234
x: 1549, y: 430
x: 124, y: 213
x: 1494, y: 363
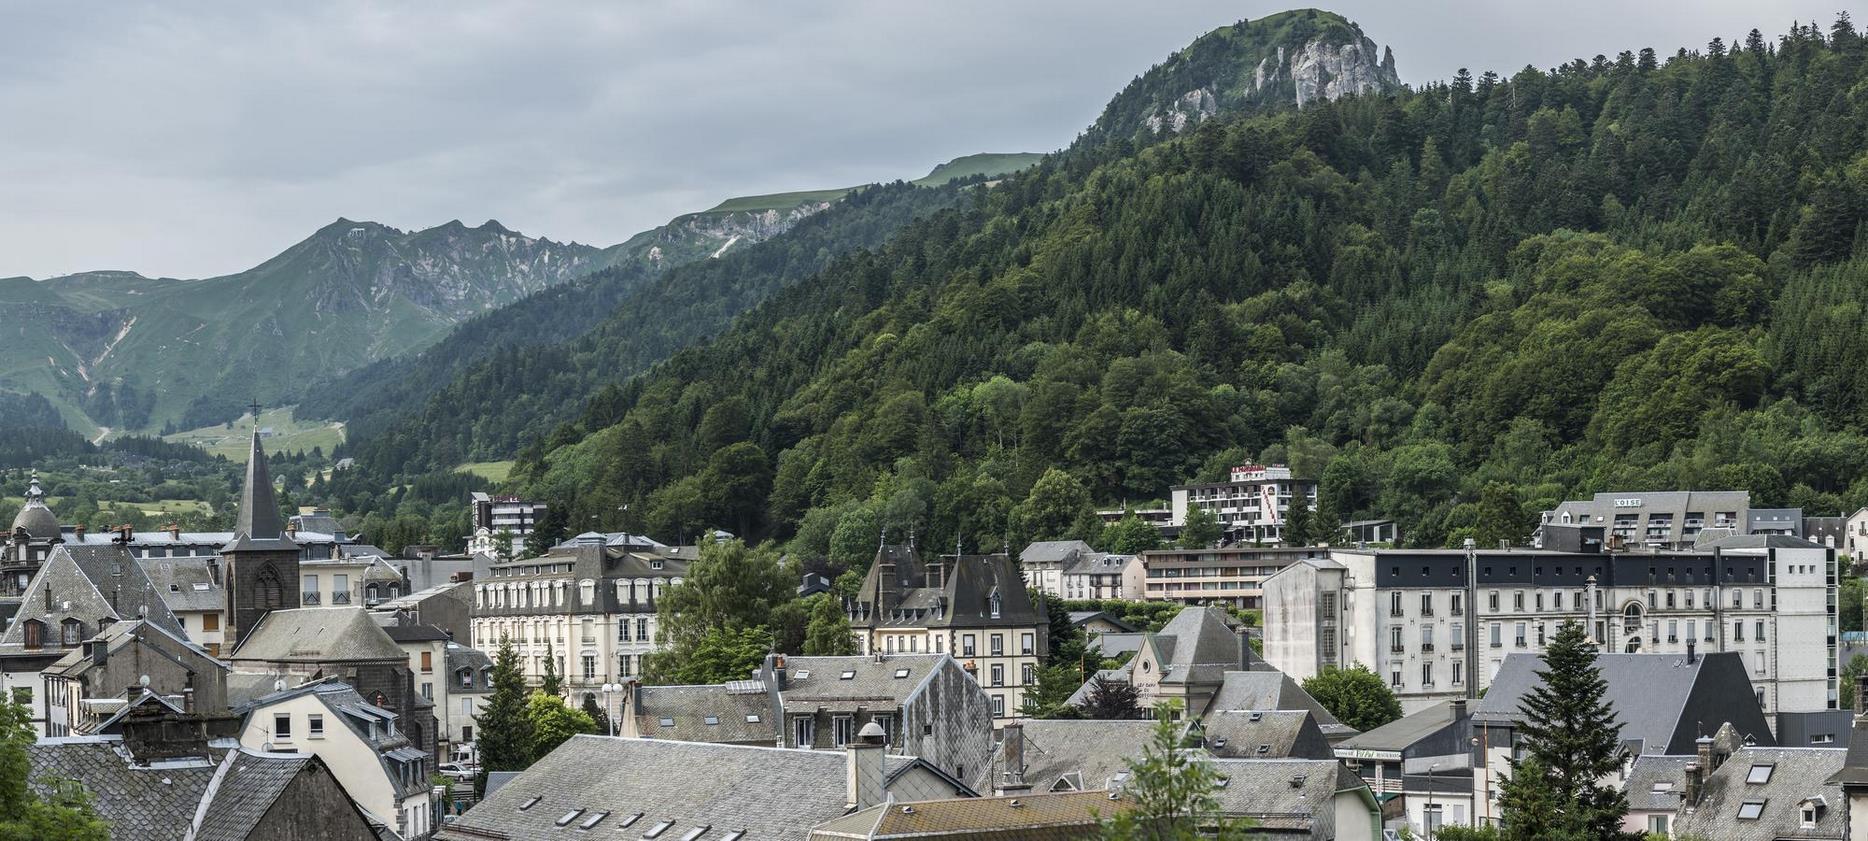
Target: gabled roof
x: 186, y: 584
x: 1053, y: 551
x: 1854, y: 772
x: 1263, y: 734
x: 317, y: 635
x: 1080, y: 618
x: 1404, y: 732
x: 1655, y: 783
x: 1272, y: 690
x: 1198, y: 646
x: 1661, y: 700
x: 710, y: 713
x: 1086, y: 754
x: 1285, y: 794
x: 894, y: 678
x: 89, y: 584
x: 1796, y: 775
x: 166, y: 644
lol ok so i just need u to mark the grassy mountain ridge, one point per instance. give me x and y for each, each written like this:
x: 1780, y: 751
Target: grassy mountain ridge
x: 1453, y: 305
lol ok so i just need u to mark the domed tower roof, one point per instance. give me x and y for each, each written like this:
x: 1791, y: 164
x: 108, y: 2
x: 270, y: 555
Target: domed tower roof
x: 37, y: 520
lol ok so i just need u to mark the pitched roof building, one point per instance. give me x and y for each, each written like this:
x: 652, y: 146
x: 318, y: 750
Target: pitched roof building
x: 974, y: 607
x: 243, y: 796
x: 1188, y: 662
x: 1766, y: 794
x: 126, y: 660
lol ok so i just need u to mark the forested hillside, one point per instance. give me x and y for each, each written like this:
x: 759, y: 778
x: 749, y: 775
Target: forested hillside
x: 1622, y: 272
x: 515, y: 374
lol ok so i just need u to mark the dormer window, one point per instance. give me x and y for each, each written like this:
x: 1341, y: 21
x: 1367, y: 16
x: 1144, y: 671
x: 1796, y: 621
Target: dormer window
x: 655, y: 564
x: 70, y: 632
x: 34, y: 632
x: 995, y: 604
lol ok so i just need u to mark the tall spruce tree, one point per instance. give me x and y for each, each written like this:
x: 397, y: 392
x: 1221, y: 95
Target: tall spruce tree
x: 1298, y: 522
x: 553, y: 682
x: 505, y: 732
x: 1571, y: 742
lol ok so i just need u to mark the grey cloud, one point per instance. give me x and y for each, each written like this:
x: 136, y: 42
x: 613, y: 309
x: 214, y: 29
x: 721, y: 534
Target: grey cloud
x: 191, y: 140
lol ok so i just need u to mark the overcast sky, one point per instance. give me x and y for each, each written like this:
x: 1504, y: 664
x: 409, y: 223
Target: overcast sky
x: 194, y: 140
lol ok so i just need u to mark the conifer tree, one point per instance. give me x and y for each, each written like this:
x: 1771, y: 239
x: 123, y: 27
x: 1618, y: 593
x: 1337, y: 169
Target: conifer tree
x: 553, y: 683
x: 1571, y: 742
x: 504, y: 731
x: 1297, y: 523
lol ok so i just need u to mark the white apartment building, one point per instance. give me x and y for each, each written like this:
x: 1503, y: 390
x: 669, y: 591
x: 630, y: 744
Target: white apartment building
x: 1251, y: 506
x: 495, y: 514
x: 1855, y: 537
x: 1071, y: 569
x: 1416, y: 619
x: 589, y: 603
x: 364, y: 745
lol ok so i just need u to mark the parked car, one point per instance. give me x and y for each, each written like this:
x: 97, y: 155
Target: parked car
x: 458, y: 771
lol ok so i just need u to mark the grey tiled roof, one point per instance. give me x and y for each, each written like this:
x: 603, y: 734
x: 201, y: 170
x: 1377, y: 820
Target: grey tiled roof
x: 1272, y: 690
x: 317, y: 635
x: 1404, y: 732
x: 89, y: 584
x: 474, y: 660
x: 122, y: 634
x: 1797, y: 774
x: 766, y: 792
x: 1052, y: 551
x: 1200, y: 647
x: 1091, y: 753
x: 1655, y: 782
x: 894, y: 677
x: 1284, y: 793
x: 185, y: 584
x: 1264, y: 734
x: 1651, y: 695
x: 1762, y: 541
x: 142, y: 803
x: 682, y: 713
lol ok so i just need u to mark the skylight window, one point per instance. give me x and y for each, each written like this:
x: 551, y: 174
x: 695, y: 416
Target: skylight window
x: 752, y: 718
x: 1760, y: 774
x: 668, y: 722
x: 656, y: 830
x: 1751, y: 810
x: 1258, y: 716
x: 570, y: 816
x: 848, y: 674
x: 630, y: 821
x: 591, y: 822
x: 696, y: 832
x: 712, y: 719
x: 529, y: 803
x: 804, y: 673
x: 735, y: 835
x: 901, y: 673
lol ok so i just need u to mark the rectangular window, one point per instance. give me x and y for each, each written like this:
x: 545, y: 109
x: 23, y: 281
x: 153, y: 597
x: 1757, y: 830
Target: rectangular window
x: 1758, y: 630
x: 803, y: 732
x: 1673, y: 630
x: 1520, y: 635
x: 1497, y: 635
x: 1394, y: 603
x: 966, y: 645
x: 998, y: 645
x: 1426, y: 673
x: 1458, y: 604
x: 1540, y: 602
x: 428, y: 661
x: 1394, y: 678
x: 314, y: 725
x: 842, y: 730
x: 210, y: 621
x: 1459, y: 636
x: 590, y: 667
x: 1459, y: 672
x: 1738, y: 631
x: 1426, y: 638
x: 1517, y: 601
x: 1027, y: 674
x: 998, y: 706
x: 1027, y: 644
x: 428, y: 690
x: 1491, y: 600
x: 281, y: 726
x: 642, y: 629
x: 998, y: 674
x: 1394, y: 639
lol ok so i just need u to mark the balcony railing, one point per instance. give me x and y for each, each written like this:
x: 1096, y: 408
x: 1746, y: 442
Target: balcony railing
x: 340, y: 597
x: 312, y: 598
x: 1426, y: 646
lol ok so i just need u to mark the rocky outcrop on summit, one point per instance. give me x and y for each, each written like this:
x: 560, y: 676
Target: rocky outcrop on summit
x: 1292, y: 58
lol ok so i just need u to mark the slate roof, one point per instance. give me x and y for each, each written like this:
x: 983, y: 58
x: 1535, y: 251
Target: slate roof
x: 765, y: 792
x: 1273, y: 690
x: 947, y: 592
x: 185, y: 584
x: 317, y: 635
x: 1288, y: 794
x: 872, y: 679
x: 1090, y: 753
x: 1198, y: 646
x: 258, y: 527
x: 473, y: 659
x: 682, y: 713
x: 34, y: 517
x: 1028, y: 817
x: 1854, y: 772
x: 1661, y: 700
x: 1053, y: 551
x: 1762, y: 541
x: 1098, y: 563
x: 142, y: 803
x: 1797, y: 774
x: 1263, y: 734
x: 90, y: 584
x: 1655, y: 783
x: 415, y: 633
x: 1081, y: 617
x: 1404, y: 732
x: 120, y: 635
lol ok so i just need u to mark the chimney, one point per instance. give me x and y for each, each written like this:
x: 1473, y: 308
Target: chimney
x: 98, y: 652
x: 214, y: 569
x: 1695, y: 783
x: 865, y: 778
x: 1459, y: 709
x: 775, y: 665
x: 1012, y: 736
x: 174, y: 530
x: 888, y: 585
x: 1691, y: 655
x: 78, y: 531
x: 126, y: 533
x: 291, y: 527
x: 1704, y: 746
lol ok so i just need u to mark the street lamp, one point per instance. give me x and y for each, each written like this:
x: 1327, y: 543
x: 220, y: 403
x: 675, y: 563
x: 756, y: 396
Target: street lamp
x: 1426, y: 818
x: 609, y: 689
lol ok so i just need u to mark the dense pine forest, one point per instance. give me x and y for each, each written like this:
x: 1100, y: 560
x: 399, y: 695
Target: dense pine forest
x: 1630, y: 272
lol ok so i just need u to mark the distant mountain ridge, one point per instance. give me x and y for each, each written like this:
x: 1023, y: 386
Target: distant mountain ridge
x: 118, y: 350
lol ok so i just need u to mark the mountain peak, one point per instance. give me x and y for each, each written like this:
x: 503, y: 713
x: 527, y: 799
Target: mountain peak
x: 1290, y: 58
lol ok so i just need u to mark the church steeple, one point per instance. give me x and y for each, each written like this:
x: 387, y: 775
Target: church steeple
x: 259, y: 525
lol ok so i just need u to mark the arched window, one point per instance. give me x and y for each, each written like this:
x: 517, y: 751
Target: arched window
x: 269, y: 592
x: 995, y: 604
x: 1634, y: 645
x: 1631, y: 618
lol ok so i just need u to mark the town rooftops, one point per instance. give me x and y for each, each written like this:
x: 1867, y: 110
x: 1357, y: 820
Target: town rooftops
x: 317, y: 635
x: 1402, y: 733
x: 415, y: 633
x: 165, y: 802
x: 1661, y: 700
x: 1053, y: 551
x: 607, y: 787
x: 1262, y: 734
x: 1273, y: 690
x: 85, y: 585
x: 1198, y: 646
x: 707, y: 713
x: 1655, y: 783
x: 855, y: 678
x: 122, y: 634
x: 1285, y: 794
x: 1761, y: 541
x: 186, y: 584
x: 1071, y: 754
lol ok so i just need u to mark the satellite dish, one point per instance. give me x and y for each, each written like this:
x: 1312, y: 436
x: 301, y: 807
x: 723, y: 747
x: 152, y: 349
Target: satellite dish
x: 278, y: 686
x: 143, y: 681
